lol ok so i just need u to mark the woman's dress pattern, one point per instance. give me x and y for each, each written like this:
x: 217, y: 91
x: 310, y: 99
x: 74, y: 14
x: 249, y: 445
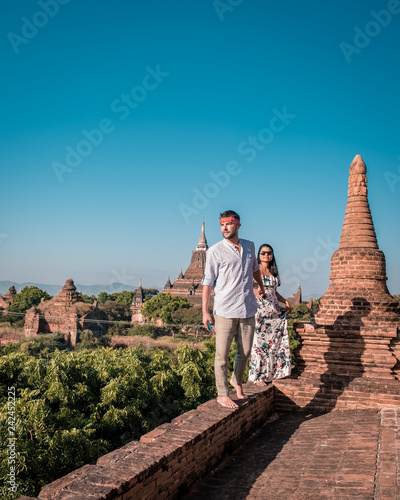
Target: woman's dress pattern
x: 270, y: 354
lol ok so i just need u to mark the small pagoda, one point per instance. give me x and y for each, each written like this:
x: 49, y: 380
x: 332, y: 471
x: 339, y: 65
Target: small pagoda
x: 137, y: 304
x: 67, y: 314
x: 350, y: 355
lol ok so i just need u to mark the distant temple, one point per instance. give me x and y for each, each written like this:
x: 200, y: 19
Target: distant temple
x: 296, y: 298
x: 137, y: 305
x: 189, y: 285
x: 65, y: 313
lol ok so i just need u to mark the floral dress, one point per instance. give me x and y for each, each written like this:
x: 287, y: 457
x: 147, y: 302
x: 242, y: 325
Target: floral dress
x: 270, y: 354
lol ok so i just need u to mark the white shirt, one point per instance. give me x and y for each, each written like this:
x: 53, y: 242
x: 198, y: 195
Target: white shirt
x: 231, y: 275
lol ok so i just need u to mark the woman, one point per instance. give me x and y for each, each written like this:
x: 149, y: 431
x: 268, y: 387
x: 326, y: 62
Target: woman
x: 270, y: 354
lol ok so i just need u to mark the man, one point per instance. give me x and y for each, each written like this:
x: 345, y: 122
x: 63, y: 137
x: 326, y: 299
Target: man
x: 231, y: 265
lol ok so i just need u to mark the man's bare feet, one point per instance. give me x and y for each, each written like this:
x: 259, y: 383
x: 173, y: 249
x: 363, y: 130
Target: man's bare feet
x: 227, y: 402
x: 238, y: 389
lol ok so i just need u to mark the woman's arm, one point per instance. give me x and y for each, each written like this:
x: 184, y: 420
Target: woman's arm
x: 284, y: 301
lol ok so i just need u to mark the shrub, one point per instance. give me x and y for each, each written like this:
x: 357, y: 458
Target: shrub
x: 40, y: 346
x: 118, y: 329
x: 87, y: 340
x: 190, y: 320
x: 144, y: 330
x: 116, y: 311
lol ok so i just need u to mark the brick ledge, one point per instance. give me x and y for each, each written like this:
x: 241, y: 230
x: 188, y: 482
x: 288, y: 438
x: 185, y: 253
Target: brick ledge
x: 170, y: 459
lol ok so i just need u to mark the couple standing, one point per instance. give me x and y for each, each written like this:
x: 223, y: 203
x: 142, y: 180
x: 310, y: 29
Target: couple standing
x: 231, y: 267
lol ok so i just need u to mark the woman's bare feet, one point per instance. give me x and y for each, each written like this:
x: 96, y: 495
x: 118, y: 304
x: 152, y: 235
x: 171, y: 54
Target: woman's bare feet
x: 227, y: 402
x: 238, y: 389
x: 261, y: 382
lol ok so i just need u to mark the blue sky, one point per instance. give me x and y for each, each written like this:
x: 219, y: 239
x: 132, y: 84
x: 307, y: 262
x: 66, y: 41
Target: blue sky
x: 125, y: 124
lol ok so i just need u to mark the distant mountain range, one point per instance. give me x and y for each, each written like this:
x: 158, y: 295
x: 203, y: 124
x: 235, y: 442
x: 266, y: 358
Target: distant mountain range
x: 54, y: 289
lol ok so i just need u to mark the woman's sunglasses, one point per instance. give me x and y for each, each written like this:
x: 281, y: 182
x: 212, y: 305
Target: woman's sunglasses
x: 265, y: 253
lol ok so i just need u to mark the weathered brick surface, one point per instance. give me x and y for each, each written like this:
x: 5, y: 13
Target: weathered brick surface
x: 170, y: 459
x: 336, y: 455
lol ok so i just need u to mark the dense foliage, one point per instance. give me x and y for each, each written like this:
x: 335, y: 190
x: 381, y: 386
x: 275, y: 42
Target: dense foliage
x: 73, y: 407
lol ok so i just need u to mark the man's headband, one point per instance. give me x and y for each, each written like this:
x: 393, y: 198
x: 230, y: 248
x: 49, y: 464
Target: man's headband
x: 230, y: 219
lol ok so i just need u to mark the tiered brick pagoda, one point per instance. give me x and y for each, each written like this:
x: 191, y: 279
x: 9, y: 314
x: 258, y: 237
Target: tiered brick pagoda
x: 65, y: 313
x: 189, y: 285
x: 350, y: 355
x: 295, y: 299
x: 137, y: 305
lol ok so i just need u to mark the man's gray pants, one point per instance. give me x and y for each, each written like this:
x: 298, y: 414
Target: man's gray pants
x: 225, y: 330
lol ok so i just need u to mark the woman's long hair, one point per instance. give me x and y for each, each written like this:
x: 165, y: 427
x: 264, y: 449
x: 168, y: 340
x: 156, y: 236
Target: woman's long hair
x: 273, y: 266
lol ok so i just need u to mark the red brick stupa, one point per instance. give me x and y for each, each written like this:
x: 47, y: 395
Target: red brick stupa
x: 349, y: 356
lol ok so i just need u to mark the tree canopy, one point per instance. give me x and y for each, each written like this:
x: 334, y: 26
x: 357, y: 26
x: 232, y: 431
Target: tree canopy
x: 162, y: 305
x: 124, y: 297
x: 28, y: 297
x: 88, y: 299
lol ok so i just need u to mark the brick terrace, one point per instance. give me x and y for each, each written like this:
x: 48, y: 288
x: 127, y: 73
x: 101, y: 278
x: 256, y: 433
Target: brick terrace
x: 344, y: 454
x: 349, y: 362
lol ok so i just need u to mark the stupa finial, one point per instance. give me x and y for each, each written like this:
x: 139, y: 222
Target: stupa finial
x: 358, y: 227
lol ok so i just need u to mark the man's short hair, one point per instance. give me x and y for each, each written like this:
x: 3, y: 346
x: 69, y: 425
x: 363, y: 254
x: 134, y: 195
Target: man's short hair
x: 230, y: 213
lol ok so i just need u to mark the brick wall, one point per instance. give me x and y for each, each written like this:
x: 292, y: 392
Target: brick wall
x: 170, y: 459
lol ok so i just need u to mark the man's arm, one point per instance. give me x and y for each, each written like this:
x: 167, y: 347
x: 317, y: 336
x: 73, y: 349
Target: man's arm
x: 257, y: 277
x: 205, y: 301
